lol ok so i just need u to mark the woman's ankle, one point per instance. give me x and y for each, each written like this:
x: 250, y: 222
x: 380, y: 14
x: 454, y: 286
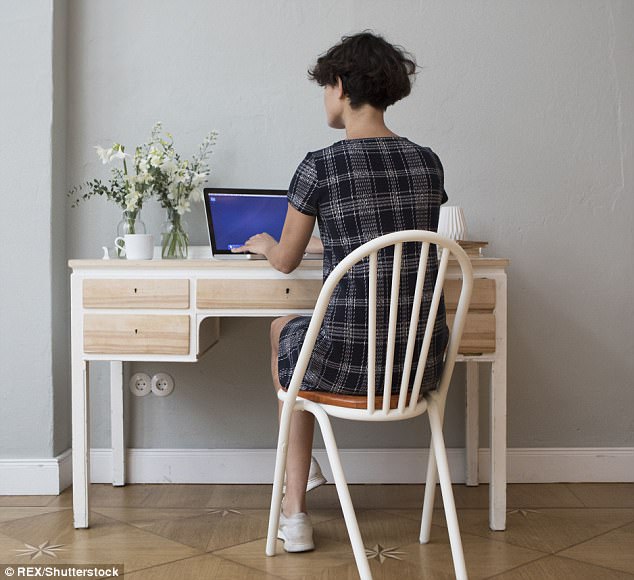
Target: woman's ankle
x: 292, y: 507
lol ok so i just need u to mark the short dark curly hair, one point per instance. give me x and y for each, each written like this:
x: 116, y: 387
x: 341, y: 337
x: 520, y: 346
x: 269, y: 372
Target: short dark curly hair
x: 372, y: 70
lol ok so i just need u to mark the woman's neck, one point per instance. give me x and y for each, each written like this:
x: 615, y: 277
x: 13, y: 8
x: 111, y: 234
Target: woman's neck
x: 365, y: 122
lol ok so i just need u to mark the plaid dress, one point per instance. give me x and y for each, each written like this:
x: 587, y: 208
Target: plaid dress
x: 360, y: 189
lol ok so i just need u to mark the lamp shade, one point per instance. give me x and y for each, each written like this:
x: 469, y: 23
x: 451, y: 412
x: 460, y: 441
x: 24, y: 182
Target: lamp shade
x: 451, y: 222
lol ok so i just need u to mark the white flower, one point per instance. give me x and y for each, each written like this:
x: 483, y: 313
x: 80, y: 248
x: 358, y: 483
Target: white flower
x: 107, y: 155
x: 118, y: 154
x: 197, y: 194
x: 104, y: 154
x: 198, y: 179
x: 169, y: 165
x: 155, y: 157
x: 178, y: 177
x: 134, y: 199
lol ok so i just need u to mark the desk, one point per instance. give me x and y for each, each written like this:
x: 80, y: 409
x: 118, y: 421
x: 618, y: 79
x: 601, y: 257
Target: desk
x: 168, y: 311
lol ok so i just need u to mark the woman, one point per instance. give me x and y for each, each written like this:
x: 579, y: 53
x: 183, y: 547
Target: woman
x: 371, y: 183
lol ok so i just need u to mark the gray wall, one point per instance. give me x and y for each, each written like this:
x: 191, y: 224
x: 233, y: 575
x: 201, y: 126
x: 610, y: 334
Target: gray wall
x: 34, y: 397
x: 60, y: 346
x: 528, y: 104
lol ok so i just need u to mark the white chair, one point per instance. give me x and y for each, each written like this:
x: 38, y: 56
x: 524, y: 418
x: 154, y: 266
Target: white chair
x: 375, y: 407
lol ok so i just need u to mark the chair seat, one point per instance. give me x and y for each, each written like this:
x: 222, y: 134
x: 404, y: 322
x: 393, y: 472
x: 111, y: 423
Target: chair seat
x: 348, y: 401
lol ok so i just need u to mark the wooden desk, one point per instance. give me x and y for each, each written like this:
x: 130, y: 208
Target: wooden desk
x: 168, y: 311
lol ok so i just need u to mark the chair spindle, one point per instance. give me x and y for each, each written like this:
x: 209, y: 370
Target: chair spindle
x: 372, y: 332
x: 413, y: 324
x: 391, y: 337
x: 429, y: 328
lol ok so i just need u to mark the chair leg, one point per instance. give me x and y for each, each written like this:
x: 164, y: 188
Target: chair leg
x: 278, y: 478
x: 350, y: 518
x: 428, y: 502
x: 447, y: 493
x: 430, y: 487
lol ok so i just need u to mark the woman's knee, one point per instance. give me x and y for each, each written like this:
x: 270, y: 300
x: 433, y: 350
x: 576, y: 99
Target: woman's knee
x: 276, y: 328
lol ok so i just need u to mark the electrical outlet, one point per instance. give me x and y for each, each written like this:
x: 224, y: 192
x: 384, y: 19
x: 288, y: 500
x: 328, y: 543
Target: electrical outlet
x: 140, y: 384
x: 162, y: 384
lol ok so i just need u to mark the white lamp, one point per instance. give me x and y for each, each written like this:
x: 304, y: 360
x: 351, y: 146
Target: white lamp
x: 451, y: 222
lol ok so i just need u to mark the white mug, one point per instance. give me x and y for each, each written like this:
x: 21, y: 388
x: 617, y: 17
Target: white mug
x: 451, y: 222
x: 136, y: 246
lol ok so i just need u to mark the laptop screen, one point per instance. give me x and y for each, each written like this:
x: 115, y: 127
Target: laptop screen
x: 234, y: 215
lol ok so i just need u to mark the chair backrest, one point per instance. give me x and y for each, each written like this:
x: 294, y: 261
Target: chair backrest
x: 407, y: 401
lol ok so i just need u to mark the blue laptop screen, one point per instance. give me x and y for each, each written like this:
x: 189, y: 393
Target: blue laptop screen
x: 236, y: 217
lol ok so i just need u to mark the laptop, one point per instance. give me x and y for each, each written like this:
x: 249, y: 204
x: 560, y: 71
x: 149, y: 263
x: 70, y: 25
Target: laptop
x: 234, y: 215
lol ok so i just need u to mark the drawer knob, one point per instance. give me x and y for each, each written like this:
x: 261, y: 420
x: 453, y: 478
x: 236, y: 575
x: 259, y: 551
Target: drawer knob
x: 136, y: 331
x: 135, y: 290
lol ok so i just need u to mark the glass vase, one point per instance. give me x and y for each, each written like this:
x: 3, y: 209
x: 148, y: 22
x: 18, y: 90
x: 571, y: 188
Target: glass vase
x: 174, y: 239
x: 130, y: 224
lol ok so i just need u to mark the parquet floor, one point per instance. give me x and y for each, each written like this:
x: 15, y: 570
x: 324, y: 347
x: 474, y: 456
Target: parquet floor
x: 558, y: 531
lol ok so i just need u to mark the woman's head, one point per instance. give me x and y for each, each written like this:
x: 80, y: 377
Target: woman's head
x: 371, y: 70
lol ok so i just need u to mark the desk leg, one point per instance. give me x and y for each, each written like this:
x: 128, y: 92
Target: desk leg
x: 497, y: 482
x: 117, y: 432
x: 81, y: 441
x: 472, y: 427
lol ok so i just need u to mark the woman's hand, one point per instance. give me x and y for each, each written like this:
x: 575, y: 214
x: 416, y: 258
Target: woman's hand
x: 257, y: 244
x: 286, y: 255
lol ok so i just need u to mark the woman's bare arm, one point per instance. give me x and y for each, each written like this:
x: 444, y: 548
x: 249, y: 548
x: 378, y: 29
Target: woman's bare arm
x: 286, y: 255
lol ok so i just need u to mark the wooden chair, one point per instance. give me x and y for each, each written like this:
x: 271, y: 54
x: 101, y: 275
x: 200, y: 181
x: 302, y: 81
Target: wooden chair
x: 400, y: 406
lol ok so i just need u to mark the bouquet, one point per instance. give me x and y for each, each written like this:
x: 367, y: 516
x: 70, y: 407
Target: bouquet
x: 176, y: 182
x: 127, y: 191
x: 159, y: 171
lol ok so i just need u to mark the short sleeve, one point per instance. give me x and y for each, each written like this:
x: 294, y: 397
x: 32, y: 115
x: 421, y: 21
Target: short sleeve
x: 303, y: 190
x: 441, y: 173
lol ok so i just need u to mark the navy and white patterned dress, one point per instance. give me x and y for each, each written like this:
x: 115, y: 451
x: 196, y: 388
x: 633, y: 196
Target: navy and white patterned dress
x: 360, y: 189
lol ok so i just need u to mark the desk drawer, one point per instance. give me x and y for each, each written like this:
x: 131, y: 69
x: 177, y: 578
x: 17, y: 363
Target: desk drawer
x: 257, y: 293
x: 136, y: 334
x: 482, y: 296
x: 478, y: 336
x: 136, y: 293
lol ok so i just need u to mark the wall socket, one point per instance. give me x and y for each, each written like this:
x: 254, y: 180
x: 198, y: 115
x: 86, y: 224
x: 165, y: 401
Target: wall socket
x: 140, y: 384
x: 162, y: 384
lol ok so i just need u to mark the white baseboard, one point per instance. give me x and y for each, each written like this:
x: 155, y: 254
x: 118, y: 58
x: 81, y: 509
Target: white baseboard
x: 536, y: 465
x: 36, y: 476
x: 566, y: 464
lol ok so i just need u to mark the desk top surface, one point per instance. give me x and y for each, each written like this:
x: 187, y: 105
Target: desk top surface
x: 209, y: 264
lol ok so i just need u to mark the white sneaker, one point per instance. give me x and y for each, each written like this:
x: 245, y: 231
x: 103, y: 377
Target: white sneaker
x: 315, y: 476
x: 296, y: 532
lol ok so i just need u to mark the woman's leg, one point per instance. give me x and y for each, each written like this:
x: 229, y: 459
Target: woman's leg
x: 300, y: 442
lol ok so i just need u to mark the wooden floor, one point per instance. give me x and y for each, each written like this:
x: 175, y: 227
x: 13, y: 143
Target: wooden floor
x: 577, y: 531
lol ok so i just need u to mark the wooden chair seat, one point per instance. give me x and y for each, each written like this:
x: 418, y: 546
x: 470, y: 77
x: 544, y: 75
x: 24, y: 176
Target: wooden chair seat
x: 348, y: 401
